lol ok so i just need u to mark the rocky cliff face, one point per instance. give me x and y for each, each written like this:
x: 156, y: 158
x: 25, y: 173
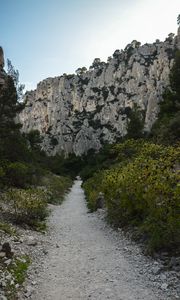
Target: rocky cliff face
x: 75, y: 113
x: 3, y: 74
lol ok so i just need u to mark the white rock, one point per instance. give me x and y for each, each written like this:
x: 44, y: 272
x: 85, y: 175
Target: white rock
x: 164, y: 286
x: 80, y: 112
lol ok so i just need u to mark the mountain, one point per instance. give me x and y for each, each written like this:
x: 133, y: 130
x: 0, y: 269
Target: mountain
x: 75, y: 113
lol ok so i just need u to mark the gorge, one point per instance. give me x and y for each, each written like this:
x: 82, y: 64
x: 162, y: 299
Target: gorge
x: 75, y: 113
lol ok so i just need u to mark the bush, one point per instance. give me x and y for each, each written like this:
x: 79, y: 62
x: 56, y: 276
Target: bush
x: 28, y: 205
x: 56, y: 186
x: 19, y: 174
x: 2, y: 174
x: 18, y: 271
x: 143, y: 192
x: 7, y: 228
x: 92, y: 189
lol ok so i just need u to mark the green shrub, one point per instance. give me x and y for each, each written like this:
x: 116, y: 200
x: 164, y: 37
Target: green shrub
x: 92, y: 189
x: 28, y: 205
x: 2, y: 173
x: 7, y: 228
x: 18, y: 268
x: 56, y: 187
x: 19, y: 174
x: 143, y: 192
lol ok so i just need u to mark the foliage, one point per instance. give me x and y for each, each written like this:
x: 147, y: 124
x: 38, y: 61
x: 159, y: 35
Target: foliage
x: 142, y: 192
x: 178, y: 19
x: 135, y: 123
x: 81, y: 71
x: 94, y: 162
x: 9, y: 107
x: 34, y: 139
x: 19, y: 174
x: 92, y: 189
x: 12, y: 145
x: 166, y: 129
x: 28, y: 205
x: 7, y: 228
x: 14, y: 74
x: 56, y: 187
x: 18, y: 269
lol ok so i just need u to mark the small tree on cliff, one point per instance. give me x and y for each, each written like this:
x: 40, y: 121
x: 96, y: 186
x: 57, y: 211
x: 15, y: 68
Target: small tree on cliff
x: 135, y: 124
x: 166, y: 129
x: 14, y: 74
x: 178, y: 19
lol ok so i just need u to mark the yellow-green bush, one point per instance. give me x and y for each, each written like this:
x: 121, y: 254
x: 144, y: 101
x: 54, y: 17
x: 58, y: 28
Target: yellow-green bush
x: 56, y: 187
x: 144, y: 192
x: 27, y: 206
x: 92, y: 189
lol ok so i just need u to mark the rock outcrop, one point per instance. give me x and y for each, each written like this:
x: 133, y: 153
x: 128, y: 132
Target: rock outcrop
x: 2, y: 72
x: 75, y: 113
x: 1, y: 58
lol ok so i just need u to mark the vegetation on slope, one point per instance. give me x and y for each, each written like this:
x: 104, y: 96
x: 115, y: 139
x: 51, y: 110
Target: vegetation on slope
x: 142, y: 190
x: 23, y: 166
x: 141, y: 184
x: 27, y: 184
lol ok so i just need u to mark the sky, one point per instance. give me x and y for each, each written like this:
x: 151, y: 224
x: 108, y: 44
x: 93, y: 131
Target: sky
x: 46, y: 38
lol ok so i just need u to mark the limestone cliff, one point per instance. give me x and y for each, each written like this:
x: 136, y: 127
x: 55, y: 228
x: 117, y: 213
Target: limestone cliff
x: 75, y: 113
x: 3, y: 74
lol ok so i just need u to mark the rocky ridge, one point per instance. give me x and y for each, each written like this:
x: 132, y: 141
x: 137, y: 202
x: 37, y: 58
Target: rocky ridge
x: 75, y: 113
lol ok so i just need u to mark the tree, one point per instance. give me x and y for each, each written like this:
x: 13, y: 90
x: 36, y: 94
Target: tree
x: 14, y: 74
x: 9, y: 106
x: 11, y: 142
x: 178, y: 19
x: 96, y: 64
x: 166, y: 129
x: 34, y: 139
x: 135, y: 124
x: 81, y: 71
x: 175, y: 76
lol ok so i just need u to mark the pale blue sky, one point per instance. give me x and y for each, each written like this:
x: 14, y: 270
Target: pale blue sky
x: 46, y: 38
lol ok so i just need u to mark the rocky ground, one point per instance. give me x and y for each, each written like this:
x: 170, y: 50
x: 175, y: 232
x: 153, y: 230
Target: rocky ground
x: 81, y: 257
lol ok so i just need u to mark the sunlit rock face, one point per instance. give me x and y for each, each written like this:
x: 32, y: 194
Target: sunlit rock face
x: 75, y: 113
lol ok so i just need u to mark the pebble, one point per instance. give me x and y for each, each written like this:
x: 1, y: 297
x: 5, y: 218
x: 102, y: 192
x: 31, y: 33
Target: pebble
x: 2, y: 254
x: 7, y: 262
x: 2, y: 297
x: 164, y: 286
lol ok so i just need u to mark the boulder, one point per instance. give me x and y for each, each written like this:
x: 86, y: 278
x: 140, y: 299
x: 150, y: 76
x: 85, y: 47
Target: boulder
x: 100, y: 201
x: 6, y: 248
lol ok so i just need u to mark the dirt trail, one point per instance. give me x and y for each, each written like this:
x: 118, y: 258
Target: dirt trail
x: 86, y: 261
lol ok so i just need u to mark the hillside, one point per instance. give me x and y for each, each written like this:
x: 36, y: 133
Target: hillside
x: 75, y: 113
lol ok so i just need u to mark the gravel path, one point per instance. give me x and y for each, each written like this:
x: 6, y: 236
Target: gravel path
x: 86, y: 260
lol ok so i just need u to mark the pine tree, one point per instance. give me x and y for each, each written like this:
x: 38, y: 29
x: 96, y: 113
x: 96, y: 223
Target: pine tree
x: 178, y: 19
x: 10, y: 138
x: 14, y: 74
x: 135, y: 123
x: 9, y: 107
x: 167, y: 128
